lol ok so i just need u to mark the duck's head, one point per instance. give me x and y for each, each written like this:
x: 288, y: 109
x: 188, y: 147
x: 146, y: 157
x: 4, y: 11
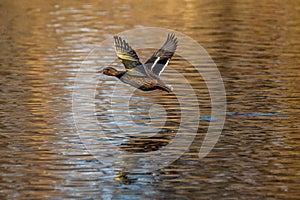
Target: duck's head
x: 109, y: 71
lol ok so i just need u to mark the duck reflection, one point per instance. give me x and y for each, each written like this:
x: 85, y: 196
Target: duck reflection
x: 161, y: 115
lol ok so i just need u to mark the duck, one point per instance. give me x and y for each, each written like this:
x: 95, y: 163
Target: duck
x: 143, y: 76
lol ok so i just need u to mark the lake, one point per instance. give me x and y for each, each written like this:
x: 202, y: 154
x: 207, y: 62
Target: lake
x: 68, y: 132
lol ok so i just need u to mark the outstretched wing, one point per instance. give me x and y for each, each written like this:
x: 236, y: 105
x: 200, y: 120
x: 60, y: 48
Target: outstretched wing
x: 160, y: 59
x: 129, y: 57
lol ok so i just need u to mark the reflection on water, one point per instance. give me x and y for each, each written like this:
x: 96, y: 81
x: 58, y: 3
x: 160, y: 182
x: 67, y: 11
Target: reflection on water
x: 256, y: 48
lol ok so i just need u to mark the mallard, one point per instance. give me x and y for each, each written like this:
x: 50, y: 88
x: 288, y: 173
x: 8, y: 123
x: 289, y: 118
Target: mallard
x: 145, y: 76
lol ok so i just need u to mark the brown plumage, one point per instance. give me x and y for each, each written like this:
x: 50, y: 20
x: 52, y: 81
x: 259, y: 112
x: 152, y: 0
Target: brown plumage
x: 143, y: 76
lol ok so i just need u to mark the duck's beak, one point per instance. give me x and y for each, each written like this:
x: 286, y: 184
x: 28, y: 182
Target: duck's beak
x: 100, y: 71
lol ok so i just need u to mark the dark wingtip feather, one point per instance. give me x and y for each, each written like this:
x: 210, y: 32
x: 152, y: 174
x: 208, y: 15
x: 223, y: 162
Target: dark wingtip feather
x: 121, y: 43
x: 172, y: 37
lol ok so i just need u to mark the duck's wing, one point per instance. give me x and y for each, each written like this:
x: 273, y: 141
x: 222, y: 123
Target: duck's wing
x: 160, y: 59
x: 129, y: 57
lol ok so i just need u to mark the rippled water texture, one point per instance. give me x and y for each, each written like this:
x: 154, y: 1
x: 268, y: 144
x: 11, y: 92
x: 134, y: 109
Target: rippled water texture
x: 255, y: 46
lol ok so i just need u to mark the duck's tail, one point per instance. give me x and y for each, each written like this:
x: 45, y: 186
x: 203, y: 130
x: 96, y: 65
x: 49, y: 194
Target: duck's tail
x: 167, y: 88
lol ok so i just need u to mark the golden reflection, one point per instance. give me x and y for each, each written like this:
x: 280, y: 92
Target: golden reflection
x: 254, y: 44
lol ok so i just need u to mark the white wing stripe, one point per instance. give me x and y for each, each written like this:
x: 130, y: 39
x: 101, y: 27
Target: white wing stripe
x: 163, y: 67
x: 157, y: 59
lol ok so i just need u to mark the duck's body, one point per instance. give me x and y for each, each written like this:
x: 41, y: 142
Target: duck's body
x: 144, y: 83
x: 143, y: 76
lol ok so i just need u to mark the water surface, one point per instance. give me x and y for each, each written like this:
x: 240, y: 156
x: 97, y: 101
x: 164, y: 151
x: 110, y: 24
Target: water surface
x: 256, y: 49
